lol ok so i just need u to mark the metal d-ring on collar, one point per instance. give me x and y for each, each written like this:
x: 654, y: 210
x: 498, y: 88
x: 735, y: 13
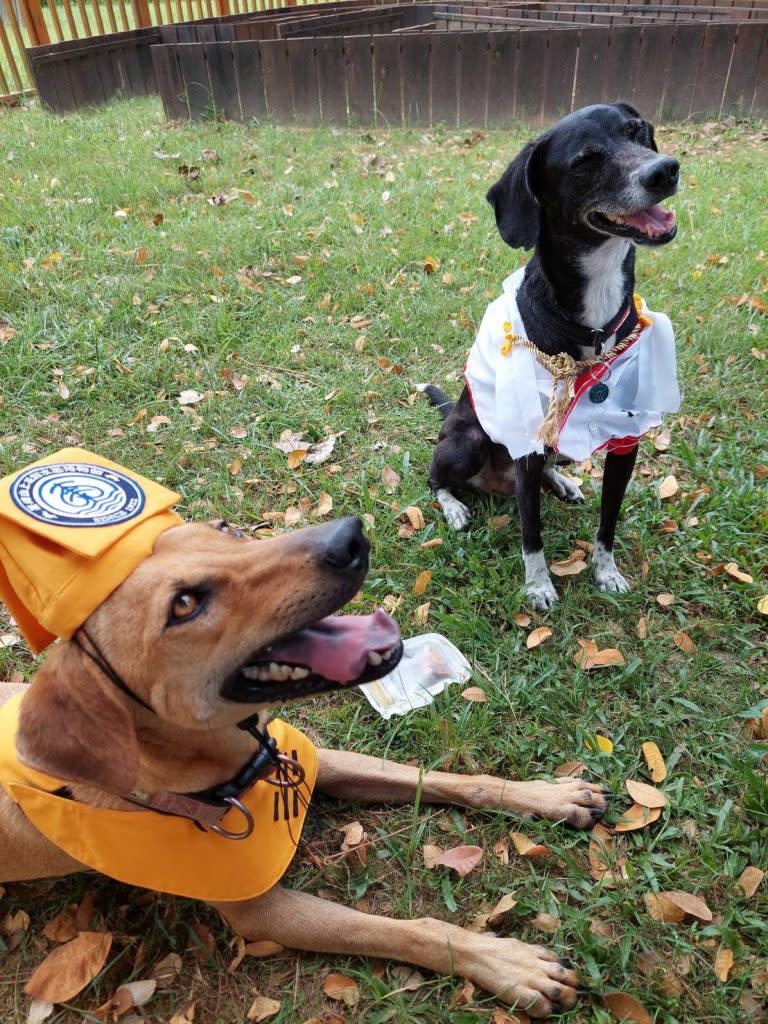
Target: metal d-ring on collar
x: 265, y: 762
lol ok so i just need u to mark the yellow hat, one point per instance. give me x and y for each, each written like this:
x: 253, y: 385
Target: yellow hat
x: 73, y: 526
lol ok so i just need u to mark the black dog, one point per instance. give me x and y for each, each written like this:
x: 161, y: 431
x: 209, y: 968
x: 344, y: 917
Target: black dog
x: 584, y: 195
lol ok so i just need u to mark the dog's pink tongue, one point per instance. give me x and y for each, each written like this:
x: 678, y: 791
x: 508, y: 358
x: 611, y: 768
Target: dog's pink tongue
x: 654, y: 221
x: 337, y: 647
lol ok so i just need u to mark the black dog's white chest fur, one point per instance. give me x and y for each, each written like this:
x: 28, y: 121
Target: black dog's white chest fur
x: 583, y: 195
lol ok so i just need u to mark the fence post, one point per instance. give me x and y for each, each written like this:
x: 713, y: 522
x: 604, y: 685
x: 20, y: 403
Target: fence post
x: 141, y: 13
x: 222, y: 8
x: 35, y: 22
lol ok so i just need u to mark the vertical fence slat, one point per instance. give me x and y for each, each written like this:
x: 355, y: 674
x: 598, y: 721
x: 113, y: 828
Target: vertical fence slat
x: 687, y: 46
x: 622, y: 67
x: 32, y: 14
x: 501, y: 79
x: 473, y: 78
x: 70, y: 18
x: 594, y: 52
x: 655, y: 52
x: 54, y: 10
x: 221, y: 71
x: 329, y: 55
x: 169, y: 80
x: 444, y: 79
x: 277, y: 84
x: 303, y: 73
x: 250, y: 80
x: 196, y: 83
x: 386, y: 81
x: 531, y: 54
x: 97, y: 17
x: 750, y: 39
x: 110, y: 13
x: 84, y: 16
x: 719, y: 40
x: 358, y: 67
x: 20, y: 45
x: 415, y: 63
x: 8, y: 51
x: 562, y: 48
x: 759, y: 105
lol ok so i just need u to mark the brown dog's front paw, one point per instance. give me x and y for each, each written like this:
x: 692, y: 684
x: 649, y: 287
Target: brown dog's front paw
x: 530, y: 978
x: 570, y: 801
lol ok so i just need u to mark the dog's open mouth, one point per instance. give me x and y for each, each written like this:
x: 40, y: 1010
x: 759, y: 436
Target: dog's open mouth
x: 652, y: 226
x: 337, y: 651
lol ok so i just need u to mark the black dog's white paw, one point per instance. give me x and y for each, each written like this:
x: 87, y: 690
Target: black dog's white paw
x: 562, y: 487
x: 538, y: 583
x: 456, y: 513
x: 607, y: 575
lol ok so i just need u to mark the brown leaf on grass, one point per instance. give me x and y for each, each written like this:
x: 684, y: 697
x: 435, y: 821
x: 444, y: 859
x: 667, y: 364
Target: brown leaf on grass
x: 502, y: 908
x: 434, y: 542
x: 501, y: 850
x: 70, y: 967
x: 166, y: 970
x: 415, y: 516
x: 6, y: 332
x: 201, y: 941
x: 127, y: 997
x: 342, y: 989
x: 662, y: 440
x: 684, y: 642
x: 38, y: 1011
x: 526, y: 848
x: 694, y: 906
x: 668, y: 487
x: 723, y: 963
x: 736, y: 573
x: 390, y: 479
x: 500, y: 1016
x: 474, y: 694
x: 431, y: 264
x: 637, y: 817
x: 570, y: 566
x: 546, y: 923
x: 324, y: 506
x: 600, y: 851
x: 462, y: 859
x: 498, y: 522
x: 570, y: 769
x: 588, y: 656
x: 665, y: 600
x: 353, y: 835
x: 262, y: 1008
x: 431, y: 855
x: 655, y: 761
x: 63, y: 927
x: 13, y: 926
x: 623, y: 1006
x: 466, y: 995
x: 642, y: 628
x: 661, y: 908
x: 422, y: 582
x: 523, y: 620
x: 408, y: 978
x: 537, y: 636
x: 295, y: 458
x: 645, y: 795
x: 421, y: 615
x: 749, y: 880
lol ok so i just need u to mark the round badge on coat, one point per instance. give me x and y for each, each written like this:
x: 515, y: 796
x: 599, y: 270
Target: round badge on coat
x: 598, y: 393
x: 77, y: 494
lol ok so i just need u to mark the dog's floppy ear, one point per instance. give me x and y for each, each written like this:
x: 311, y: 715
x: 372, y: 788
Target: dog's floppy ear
x: 73, y: 726
x: 514, y: 202
x: 629, y: 110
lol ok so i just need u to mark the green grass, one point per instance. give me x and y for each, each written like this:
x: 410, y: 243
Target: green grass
x: 114, y: 333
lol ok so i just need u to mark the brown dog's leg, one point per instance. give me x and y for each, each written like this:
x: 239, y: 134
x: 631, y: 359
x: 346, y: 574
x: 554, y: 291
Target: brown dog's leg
x: 352, y: 776
x: 529, y: 976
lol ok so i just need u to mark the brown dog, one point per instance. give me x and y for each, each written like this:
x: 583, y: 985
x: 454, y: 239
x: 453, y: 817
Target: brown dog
x: 179, y: 633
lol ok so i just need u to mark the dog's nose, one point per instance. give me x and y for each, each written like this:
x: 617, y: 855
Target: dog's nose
x: 344, y: 545
x: 660, y: 175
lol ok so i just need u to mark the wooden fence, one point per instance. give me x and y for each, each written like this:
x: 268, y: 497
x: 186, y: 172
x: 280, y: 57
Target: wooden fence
x: 32, y: 23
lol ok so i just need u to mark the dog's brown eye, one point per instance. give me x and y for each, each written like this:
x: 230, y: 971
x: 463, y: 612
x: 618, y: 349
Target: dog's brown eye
x: 185, y: 605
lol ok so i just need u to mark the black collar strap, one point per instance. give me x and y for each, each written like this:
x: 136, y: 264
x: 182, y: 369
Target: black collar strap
x: 562, y: 327
x: 264, y: 761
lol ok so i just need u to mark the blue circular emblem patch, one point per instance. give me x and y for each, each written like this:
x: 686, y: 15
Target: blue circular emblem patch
x: 77, y: 494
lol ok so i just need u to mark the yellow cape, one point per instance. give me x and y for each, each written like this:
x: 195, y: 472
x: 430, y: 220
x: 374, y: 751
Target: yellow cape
x: 160, y: 852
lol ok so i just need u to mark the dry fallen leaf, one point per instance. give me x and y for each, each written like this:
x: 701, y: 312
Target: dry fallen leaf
x: 262, y: 1008
x: 263, y: 947
x: 600, y: 851
x: 692, y: 905
x: 69, y: 968
x: 762, y: 605
x: 723, y: 963
x: 642, y: 628
x: 166, y: 970
x: 522, y: 620
x: 569, y: 769
x: 462, y: 859
x: 684, y: 642
x: 390, y: 479
x: 415, y: 516
x: 431, y: 855
x: 655, y: 761
x: 353, y: 835
x: 661, y: 908
x: 189, y: 397
x: 296, y: 457
x: 324, y: 505
x: 498, y: 522
x: 546, y: 923
x: 570, y: 566
x: 662, y: 440
x: 600, y: 744
x: 342, y: 989
x: 63, y: 927
x: 502, y: 908
x: 749, y: 880
x: 537, y: 636
x: 645, y: 795
x: 38, y: 1011
x: 474, y: 693
x: 526, y: 848
x: 736, y: 573
x: 668, y: 487
x: 422, y: 582
x: 421, y: 615
x: 623, y: 1006
x: 589, y: 657
x: 637, y: 817
x: 408, y: 978
x: 665, y: 600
